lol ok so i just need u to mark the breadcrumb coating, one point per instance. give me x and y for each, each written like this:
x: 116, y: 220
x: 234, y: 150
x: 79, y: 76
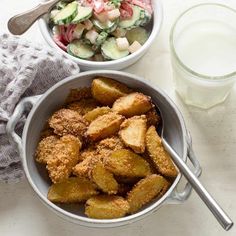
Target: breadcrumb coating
x: 83, y: 106
x: 64, y: 157
x: 66, y: 121
x: 145, y: 190
x: 159, y: 156
x: 106, y: 207
x: 44, y: 149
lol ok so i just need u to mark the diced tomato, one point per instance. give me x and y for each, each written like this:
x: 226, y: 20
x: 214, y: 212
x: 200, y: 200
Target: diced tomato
x: 126, y: 11
x: 58, y: 40
x: 145, y: 4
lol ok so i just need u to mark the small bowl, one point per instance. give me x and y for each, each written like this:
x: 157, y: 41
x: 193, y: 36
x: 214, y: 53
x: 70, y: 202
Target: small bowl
x: 44, y: 105
x: 115, y: 64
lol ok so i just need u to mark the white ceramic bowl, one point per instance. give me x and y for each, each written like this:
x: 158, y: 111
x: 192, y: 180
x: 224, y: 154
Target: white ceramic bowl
x: 43, y: 106
x: 110, y: 65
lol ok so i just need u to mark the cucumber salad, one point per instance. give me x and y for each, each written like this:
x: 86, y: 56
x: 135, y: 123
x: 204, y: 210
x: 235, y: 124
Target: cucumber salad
x: 100, y: 30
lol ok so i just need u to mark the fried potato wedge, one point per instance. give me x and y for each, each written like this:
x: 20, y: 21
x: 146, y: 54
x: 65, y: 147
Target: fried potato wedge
x: 83, y: 106
x: 106, y: 146
x: 159, y: 156
x: 83, y: 168
x: 95, y: 113
x: 106, y: 207
x: 145, y: 190
x: 132, y: 133
x: 127, y: 163
x: 44, y: 149
x: 64, y: 157
x: 104, y: 179
x: 66, y: 121
x: 72, y: 190
x: 106, y: 90
x: 133, y: 104
x: 78, y: 94
x: 104, y: 126
x: 153, y: 118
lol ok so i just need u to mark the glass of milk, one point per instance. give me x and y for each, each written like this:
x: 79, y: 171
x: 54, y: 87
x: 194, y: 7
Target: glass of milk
x: 203, y: 53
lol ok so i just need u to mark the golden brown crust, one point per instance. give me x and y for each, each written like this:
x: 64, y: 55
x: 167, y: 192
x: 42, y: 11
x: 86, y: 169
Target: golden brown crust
x: 106, y: 90
x: 104, y: 179
x: 146, y: 190
x: 106, y: 207
x: 64, y: 157
x: 95, y: 113
x: 78, y: 94
x: 66, y: 121
x: 44, y: 149
x: 104, y: 126
x: 83, y: 106
x: 153, y: 118
x: 132, y: 133
x: 133, y: 104
x: 159, y: 156
x: 127, y: 163
x: 72, y: 190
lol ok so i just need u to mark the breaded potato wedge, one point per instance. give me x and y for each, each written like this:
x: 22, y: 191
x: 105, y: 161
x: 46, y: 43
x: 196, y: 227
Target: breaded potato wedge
x: 133, y: 104
x: 106, y: 90
x: 72, y: 190
x: 44, y: 149
x: 83, y: 106
x: 106, y: 207
x: 145, y: 190
x: 127, y: 163
x: 95, y: 113
x: 132, y: 133
x: 153, y: 118
x: 66, y: 121
x: 104, y: 126
x: 78, y: 94
x: 83, y: 168
x: 104, y: 179
x: 106, y: 146
x: 159, y: 156
x: 64, y: 157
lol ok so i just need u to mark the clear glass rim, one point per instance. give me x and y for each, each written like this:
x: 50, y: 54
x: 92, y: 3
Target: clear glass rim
x: 198, y: 76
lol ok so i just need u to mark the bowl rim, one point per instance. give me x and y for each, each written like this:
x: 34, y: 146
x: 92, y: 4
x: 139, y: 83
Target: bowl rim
x: 157, y: 23
x: 95, y: 222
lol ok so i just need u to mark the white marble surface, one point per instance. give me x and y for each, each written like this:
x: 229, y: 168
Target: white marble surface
x: 214, y: 140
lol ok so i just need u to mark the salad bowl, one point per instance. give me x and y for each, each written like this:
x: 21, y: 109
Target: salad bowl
x: 153, y: 27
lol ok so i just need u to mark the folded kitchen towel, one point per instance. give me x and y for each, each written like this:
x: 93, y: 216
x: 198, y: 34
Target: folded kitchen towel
x: 26, y: 69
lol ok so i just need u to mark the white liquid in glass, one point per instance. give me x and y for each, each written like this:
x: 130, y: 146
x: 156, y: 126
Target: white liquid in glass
x: 208, y: 48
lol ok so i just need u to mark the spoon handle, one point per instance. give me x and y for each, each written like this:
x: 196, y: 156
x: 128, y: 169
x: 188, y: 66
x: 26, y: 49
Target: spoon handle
x: 217, y: 211
x: 18, y: 24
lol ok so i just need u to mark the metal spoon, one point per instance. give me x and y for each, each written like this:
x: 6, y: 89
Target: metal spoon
x: 214, y: 207
x: 20, y: 23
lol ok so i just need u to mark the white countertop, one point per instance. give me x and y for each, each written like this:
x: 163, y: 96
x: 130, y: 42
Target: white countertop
x: 214, y: 141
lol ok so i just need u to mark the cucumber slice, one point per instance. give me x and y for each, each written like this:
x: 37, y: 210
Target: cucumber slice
x: 135, y: 19
x: 101, y: 38
x: 79, y: 49
x: 67, y: 14
x: 110, y: 50
x: 145, y: 18
x: 137, y: 34
x: 83, y: 14
x: 108, y: 26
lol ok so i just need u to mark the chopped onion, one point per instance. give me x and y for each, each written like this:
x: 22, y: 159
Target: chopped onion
x: 135, y: 46
x: 122, y: 43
